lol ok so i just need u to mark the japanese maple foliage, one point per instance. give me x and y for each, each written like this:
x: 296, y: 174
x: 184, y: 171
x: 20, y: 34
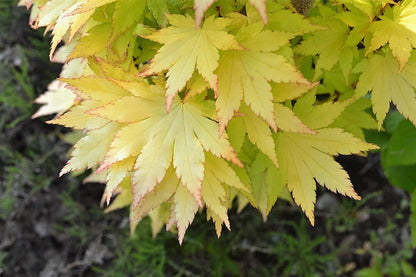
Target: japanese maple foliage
x: 191, y: 104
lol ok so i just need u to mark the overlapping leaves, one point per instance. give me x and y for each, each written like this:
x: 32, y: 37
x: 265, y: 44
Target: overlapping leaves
x: 180, y: 139
x: 186, y: 104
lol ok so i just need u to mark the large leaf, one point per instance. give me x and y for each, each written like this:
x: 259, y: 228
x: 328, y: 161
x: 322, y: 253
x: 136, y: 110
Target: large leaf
x: 306, y: 158
x: 186, y: 48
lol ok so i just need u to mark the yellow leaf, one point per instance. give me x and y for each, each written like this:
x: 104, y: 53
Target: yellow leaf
x: 306, y: 158
x: 288, y: 91
x: 397, y: 26
x: 186, y: 48
x: 223, y: 172
x: 65, y: 22
x: 123, y: 146
x: 95, y: 92
x: 213, y: 194
x: 91, y: 149
x: 180, y: 136
x: 159, y: 216
x: 242, y: 202
x: 123, y: 17
x: 92, y: 5
x: 246, y: 75
x: 355, y: 118
x: 72, y: 69
x: 185, y: 210
x: 57, y: 99
x: 286, y: 120
x: 124, y: 197
x: 369, y: 7
x: 92, y: 43
x: 188, y: 155
x: 116, y: 175
x: 100, y: 90
x: 317, y: 116
x: 139, y: 109
x: 364, y: 5
x: 59, y: 17
x: 78, y: 118
x: 259, y: 133
x: 162, y: 193
x: 334, y: 141
x: 183, y: 135
x: 154, y: 158
x: 217, y: 221
x: 285, y: 20
x: 195, y: 86
x: 51, y: 11
x: 327, y: 43
x: 385, y: 83
x: 107, y: 69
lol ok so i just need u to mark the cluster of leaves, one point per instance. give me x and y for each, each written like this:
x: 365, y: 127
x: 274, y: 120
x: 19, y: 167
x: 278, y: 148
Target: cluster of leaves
x: 185, y: 104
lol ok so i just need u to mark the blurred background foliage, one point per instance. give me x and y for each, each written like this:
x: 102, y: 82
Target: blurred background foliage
x: 52, y: 226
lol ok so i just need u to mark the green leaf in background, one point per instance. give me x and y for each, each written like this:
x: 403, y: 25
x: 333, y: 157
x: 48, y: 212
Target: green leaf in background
x: 356, y: 118
x: 401, y: 149
x: 398, y: 158
x: 369, y: 272
x: 376, y: 137
x: 402, y: 176
x: 382, y: 137
x: 392, y: 121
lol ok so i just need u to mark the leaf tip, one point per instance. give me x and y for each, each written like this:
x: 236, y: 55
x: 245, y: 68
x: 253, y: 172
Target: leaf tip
x: 180, y: 238
x: 311, y: 218
x: 66, y: 169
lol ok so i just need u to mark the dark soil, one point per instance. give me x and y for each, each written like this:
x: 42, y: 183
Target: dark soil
x: 52, y: 226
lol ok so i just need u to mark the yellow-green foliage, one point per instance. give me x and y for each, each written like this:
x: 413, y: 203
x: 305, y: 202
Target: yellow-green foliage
x: 190, y: 104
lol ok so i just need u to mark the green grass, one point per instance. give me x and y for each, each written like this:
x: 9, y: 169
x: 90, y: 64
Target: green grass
x: 275, y: 248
